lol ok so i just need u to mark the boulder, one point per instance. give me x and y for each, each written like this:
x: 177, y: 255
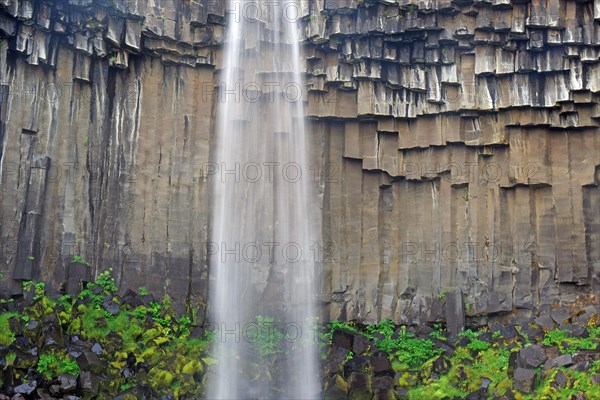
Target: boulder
x: 360, y: 344
x: 357, y: 363
x: 68, y: 383
x: 359, y: 386
x: 524, y: 379
x: 343, y: 338
x: 383, y: 388
x: 336, y: 388
x: 531, y: 356
x: 560, y: 316
x: 26, y: 388
x: 545, y: 322
x: 381, y: 365
x: 89, y: 383
x: 455, y: 312
x: 560, y: 380
x: 89, y: 361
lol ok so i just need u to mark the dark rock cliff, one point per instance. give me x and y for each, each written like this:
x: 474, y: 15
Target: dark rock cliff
x: 455, y: 146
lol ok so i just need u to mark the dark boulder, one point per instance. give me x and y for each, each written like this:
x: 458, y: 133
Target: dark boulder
x: 531, y: 356
x: 68, y: 383
x: 26, y: 388
x: 89, y: 383
x: 381, y: 365
x: 524, y: 380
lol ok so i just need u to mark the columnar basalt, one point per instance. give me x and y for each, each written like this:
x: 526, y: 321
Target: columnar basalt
x: 455, y: 144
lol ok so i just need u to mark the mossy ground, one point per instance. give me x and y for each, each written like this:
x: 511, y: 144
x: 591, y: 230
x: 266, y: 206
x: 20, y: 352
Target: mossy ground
x: 143, y: 347
x: 148, y: 351
x: 480, y: 362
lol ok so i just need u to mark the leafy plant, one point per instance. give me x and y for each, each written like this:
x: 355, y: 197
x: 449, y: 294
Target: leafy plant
x: 559, y: 337
x: 478, y: 345
x: 106, y: 281
x: 80, y: 260
x: 51, y: 366
x: 267, y: 337
x: 46, y: 364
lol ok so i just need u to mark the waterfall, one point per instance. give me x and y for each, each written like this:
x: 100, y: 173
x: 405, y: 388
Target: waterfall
x: 263, y: 223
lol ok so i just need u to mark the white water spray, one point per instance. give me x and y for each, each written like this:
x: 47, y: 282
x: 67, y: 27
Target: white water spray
x: 263, y: 230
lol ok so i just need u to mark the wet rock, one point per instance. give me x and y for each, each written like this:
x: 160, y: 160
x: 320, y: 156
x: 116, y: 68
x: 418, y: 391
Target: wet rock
x: 479, y: 394
x: 132, y: 299
x: 581, y: 366
x: 383, y: 388
x: 508, y: 332
x: 595, y: 379
x: 441, y: 365
x: 576, y: 330
x: 560, y: 316
x: 381, y: 365
x: 25, y: 360
x: 335, y: 360
x: 68, y: 383
x: 360, y: 344
x: 359, y: 386
x: 531, y: 332
x: 357, y: 363
x: 586, y: 355
x: 423, y: 331
x: 89, y: 361
x: 448, y: 347
x: 563, y: 361
x: 33, y: 325
x: 336, y: 388
x: 455, y: 312
x: 111, y: 305
x: 560, y: 380
x: 531, y: 356
x: 97, y: 349
x: 545, y: 322
x: 524, y: 379
x: 89, y: 383
x: 343, y: 338
x: 26, y: 388
x: 44, y: 394
x: 402, y: 394
x: 54, y: 389
x: 18, y: 396
x: 589, y: 313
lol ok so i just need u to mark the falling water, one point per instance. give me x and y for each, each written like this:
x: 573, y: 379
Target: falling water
x: 263, y: 227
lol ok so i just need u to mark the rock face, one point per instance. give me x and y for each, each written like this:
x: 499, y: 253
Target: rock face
x: 455, y: 149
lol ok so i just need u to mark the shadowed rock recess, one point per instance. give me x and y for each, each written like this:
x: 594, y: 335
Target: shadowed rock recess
x: 455, y: 146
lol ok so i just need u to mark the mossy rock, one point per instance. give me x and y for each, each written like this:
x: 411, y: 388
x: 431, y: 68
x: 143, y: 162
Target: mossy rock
x: 160, y: 378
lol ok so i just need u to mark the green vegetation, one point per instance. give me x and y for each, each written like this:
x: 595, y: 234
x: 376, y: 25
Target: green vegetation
x: 52, y: 366
x: 146, y: 344
x: 404, y: 349
x: 80, y: 260
x: 266, y: 338
x: 7, y: 336
x: 475, y: 344
x: 567, y: 344
x: 150, y: 340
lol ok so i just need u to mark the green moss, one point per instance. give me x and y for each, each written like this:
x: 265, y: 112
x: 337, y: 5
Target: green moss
x: 438, y: 390
x: 160, y: 378
x: 7, y: 336
x: 193, y: 367
x: 561, y: 339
